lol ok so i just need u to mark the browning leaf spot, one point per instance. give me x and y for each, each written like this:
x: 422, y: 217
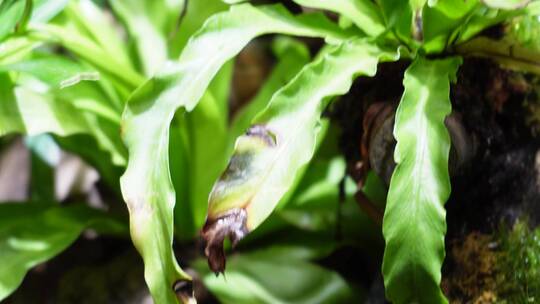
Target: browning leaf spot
x: 263, y: 133
x: 418, y: 26
x: 232, y: 225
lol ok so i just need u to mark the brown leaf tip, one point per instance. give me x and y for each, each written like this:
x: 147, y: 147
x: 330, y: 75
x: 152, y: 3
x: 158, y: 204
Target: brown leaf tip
x: 232, y: 224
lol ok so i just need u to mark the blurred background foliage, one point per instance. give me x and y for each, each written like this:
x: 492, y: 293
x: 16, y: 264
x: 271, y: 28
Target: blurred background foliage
x: 66, y: 71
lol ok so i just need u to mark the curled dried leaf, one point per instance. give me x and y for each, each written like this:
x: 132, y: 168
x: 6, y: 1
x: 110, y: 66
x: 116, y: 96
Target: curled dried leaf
x: 231, y: 225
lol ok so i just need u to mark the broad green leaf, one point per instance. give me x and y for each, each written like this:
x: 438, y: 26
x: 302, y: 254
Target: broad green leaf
x: 31, y: 234
x: 363, y: 13
x: 280, y: 142
x: 146, y: 184
x: 414, y: 220
x: 506, y: 4
x: 258, y: 277
x: 54, y: 70
x: 24, y: 111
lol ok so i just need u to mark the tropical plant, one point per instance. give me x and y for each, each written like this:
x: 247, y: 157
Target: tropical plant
x: 66, y: 70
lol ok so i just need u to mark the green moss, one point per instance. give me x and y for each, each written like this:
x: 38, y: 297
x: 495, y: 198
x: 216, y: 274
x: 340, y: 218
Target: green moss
x: 518, y: 278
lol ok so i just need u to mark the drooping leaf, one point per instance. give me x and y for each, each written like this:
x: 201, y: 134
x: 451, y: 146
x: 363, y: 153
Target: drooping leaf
x: 24, y: 111
x: 257, y: 277
x: 34, y: 233
x: 54, y: 70
x: 364, y: 13
x: 414, y: 220
x: 279, y: 143
x: 146, y: 184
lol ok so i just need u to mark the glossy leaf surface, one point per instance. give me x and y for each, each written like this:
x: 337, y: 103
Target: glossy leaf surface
x: 414, y: 221
x: 146, y: 184
x: 279, y: 143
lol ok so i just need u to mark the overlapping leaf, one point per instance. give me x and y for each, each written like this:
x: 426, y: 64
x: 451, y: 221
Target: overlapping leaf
x: 414, y: 220
x: 56, y: 71
x: 281, y: 140
x: 24, y: 111
x: 146, y: 184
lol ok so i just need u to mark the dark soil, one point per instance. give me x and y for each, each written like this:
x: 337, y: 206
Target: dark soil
x: 500, y: 184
